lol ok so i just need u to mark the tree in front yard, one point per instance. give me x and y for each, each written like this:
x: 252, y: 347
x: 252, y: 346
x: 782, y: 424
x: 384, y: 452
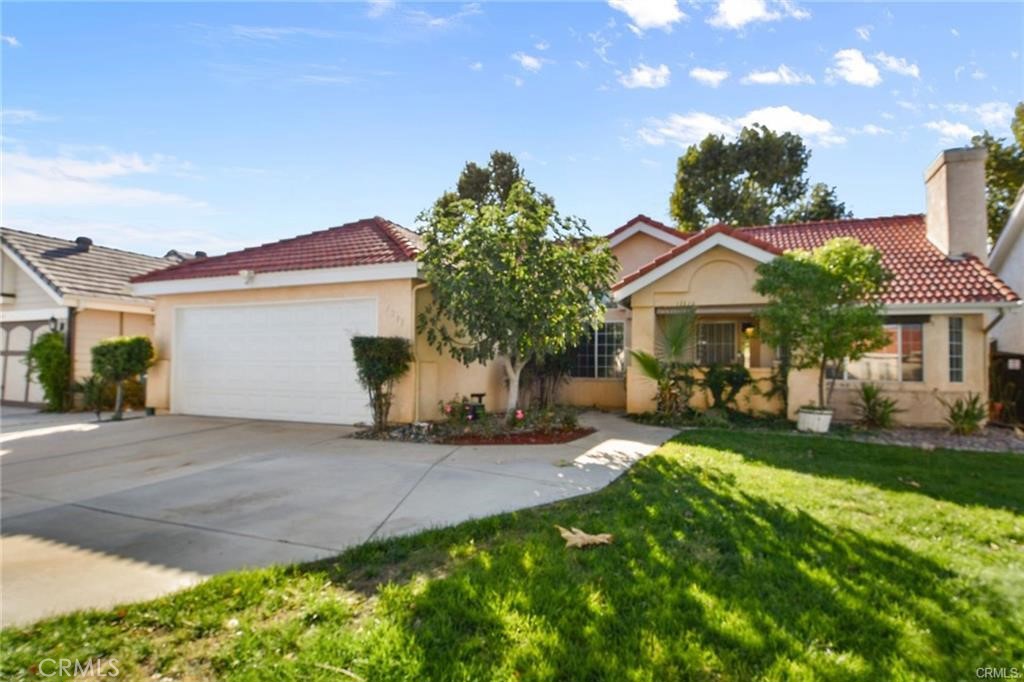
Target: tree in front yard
x: 824, y: 305
x: 50, y: 362
x: 121, y: 358
x: 380, y: 362
x: 511, y: 279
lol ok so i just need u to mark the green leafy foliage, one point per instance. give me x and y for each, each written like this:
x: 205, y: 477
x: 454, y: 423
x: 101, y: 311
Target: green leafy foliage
x: 965, y: 416
x: 94, y: 393
x: 543, y: 376
x: 672, y: 375
x: 874, y: 409
x: 824, y: 305
x: 380, y: 362
x: 514, y: 280
x: 51, y: 364
x: 723, y: 383
x: 756, y: 179
x: 1004, y: 172
x: 121, y: 358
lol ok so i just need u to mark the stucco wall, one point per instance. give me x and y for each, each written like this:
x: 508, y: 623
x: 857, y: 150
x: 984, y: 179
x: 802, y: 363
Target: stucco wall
x: 93, y: 326
x: 918, y: 399
x: 640, y: 249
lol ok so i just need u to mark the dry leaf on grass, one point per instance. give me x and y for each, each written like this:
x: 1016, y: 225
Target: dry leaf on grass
x: 574, y: 537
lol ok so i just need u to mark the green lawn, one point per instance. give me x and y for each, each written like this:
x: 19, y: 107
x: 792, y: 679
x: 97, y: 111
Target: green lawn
x: 737, y: 556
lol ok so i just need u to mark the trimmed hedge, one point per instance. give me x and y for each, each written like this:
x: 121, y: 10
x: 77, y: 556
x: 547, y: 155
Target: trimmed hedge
x: 119, y: 359
x: 51, y: 363
x: 381, y: 360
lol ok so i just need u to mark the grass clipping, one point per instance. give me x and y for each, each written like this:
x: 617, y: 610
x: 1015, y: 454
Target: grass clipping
x: 574, y: 537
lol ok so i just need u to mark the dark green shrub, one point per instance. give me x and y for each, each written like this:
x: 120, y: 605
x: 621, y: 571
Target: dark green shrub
x: 542, y: 377
x: 874, y: 410
x: 380, y: 361
x: 93, y: 390
x: 724, y: 383
x: 51, y: 364
x: 965, y: 416
x: 119, y: 359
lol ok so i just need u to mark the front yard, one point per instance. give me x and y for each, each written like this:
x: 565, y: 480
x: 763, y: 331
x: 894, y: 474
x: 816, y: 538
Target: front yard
x: 737, y: 556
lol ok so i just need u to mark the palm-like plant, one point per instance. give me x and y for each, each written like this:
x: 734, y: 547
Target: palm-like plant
x: 670, y: 372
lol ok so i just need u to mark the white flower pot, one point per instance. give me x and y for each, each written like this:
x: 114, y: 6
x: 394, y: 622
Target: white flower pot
x: 813, y: 419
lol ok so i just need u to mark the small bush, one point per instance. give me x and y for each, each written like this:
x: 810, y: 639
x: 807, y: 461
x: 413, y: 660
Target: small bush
x: 965, y: 416
x: 51, y: 364
x: 874, y: 410
x: 381, y: 361
x: 119, y: 359
x: 93, y: 390
x: 724, y: 383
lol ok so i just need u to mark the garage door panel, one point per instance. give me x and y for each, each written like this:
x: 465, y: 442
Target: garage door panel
x: 280, y: 361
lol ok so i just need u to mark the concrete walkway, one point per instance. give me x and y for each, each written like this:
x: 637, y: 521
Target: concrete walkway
x: 99, y: 514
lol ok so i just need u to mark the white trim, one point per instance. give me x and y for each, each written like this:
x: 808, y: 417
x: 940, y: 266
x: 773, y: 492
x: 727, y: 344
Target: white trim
x: 173, y: 397
x: 30, y: 314
x: 85, y: 303
x: 649, y: 230
x: 718, y: 239
x: 33, y: 275
x: 288, y: 278
x: 949, y: 308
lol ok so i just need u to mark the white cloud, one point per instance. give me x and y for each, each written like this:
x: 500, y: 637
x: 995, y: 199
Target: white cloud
x: 16, y: 116
x: 780, y: 76
x: 646, y: 14
x: 277, y: 33
x: 736, y: 14
x: 898, y: 65
x: 978, y: 74
x: 541, y: 46
x: 10, y: 41
x: 955, y: 33
x: 645, y: 76
x: 852, y: 67
x: 67, y: 180
x: 516, y: 81
x: 379, y: 8
x: 476, y: 66
x: 864, y: 32
x: 687, y: 129
x: 994, y: 114
x: 529, y: 62
x: 872, y: 129
x: 950, y: 132
x: 710, y: 77
x: 424, y: 18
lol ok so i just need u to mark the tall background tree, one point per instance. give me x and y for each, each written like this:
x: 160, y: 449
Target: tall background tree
x: 757, y: 179
x: 511, y: 278
x: 1004, y: 172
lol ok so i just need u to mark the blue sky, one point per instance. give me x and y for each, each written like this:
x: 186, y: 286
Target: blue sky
x: 214, y: 126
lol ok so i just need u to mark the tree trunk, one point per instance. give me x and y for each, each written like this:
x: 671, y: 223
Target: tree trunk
x: 821, y: 382
x: 118, y: 401
x: 512, y: 371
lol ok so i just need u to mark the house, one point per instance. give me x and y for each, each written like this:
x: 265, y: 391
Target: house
x: 1007, y: 260
x: 263, y: 332
x: 73, y: 286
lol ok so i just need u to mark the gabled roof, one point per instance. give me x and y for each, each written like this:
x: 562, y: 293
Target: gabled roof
x: 371, y: 241
x: 69, y: 269
x: 647, y: 225
x: 921, y: 273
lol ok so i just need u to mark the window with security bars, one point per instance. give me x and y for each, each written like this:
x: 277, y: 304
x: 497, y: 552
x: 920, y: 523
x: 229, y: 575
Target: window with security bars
x: 956, y: 349
x: 602, y: 354
x: 716, y: 343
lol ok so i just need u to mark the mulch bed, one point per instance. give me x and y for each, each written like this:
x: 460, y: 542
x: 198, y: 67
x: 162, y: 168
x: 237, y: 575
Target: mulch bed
x: 528, y: 438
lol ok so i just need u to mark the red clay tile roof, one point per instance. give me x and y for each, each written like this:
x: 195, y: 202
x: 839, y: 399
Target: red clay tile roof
x: 641, y: 218
x: 921, y: 273
x: 371, y: 241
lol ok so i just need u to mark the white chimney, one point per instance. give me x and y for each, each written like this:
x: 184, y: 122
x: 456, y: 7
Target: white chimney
x: 956, y: 214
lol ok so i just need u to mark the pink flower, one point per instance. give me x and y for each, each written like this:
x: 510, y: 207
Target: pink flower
x: 469, y: 417
x: 520, y: 415
x: 447, y: 409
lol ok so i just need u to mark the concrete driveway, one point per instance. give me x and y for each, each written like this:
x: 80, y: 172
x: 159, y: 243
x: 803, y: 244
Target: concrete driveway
x: 99, y: 514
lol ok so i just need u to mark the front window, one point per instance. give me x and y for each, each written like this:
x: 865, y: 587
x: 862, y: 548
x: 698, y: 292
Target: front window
x: 601, y: 354
x: 956, y: 349
x: 901, y: 359
x: 716, y: 343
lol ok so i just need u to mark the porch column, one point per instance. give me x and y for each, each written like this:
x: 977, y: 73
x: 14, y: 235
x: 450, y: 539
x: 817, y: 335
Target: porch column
x: 639, y: 389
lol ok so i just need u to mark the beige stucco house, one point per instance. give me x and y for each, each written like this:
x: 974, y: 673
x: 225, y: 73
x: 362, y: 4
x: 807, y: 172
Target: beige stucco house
x: 264, y: 332
x: 76, y: 287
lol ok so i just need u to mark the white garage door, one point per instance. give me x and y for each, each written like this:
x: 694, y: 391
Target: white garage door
x: 280, y: 361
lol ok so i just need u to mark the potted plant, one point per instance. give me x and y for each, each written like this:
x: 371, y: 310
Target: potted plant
x: 825, y: 306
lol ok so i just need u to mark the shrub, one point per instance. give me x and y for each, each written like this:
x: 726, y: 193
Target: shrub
x: 51, y: 363
x: 380, y: 361
x: 93, y: 390
x: 543, y: 376
x: 965, y: 416
x: 119, y: 359
x: 874, y: 410
x: 724, y: 382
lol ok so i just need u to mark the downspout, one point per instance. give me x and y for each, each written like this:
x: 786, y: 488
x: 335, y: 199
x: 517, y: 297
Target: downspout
x: 69, y: 346
x: 999, y: 316
x: 415, y: 358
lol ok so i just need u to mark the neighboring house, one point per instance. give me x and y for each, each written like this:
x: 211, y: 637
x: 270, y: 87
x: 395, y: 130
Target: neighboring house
x: 1007, y: 260
x: 73, y: 286
x: 264, y: 332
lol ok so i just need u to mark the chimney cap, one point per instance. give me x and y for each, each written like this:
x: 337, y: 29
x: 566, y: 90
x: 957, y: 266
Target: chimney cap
x: 200, y: 254
x: 955, y: 155
x: 83, y: 243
